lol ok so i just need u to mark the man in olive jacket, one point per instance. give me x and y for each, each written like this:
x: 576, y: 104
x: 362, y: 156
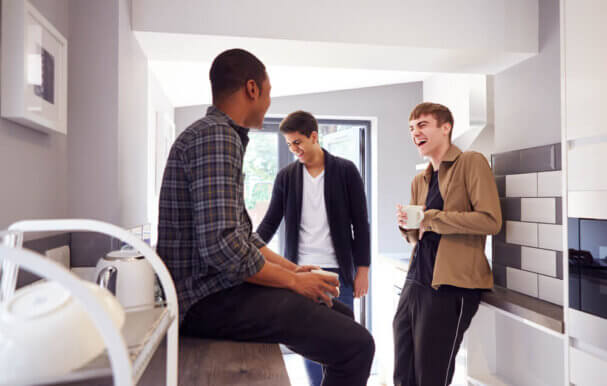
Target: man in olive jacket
x: 448, y: 269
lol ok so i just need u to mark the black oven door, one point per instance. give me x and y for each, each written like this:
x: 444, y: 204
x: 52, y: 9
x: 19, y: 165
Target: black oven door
x: 588, y: 266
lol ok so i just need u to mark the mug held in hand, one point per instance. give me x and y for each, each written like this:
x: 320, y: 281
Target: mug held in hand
x: 415, y: 215
x: 329, y: 274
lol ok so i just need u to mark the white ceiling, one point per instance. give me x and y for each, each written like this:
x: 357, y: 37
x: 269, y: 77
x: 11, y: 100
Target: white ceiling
x: 181, y: 63
x: 187, y: 83
x: 317, y: 46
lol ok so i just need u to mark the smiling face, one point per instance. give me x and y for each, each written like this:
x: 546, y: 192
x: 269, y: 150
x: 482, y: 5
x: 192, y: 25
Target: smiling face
x: 304, y: 148
x: 429, y: 138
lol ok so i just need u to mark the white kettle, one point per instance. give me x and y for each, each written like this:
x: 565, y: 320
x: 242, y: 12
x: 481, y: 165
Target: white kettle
x: 134, y: 277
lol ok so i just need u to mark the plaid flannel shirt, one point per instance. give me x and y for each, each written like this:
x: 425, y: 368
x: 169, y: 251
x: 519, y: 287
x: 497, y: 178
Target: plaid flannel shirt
x: 205, y: 234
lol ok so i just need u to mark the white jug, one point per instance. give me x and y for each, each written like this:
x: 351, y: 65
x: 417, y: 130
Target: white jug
x: 135, y: 277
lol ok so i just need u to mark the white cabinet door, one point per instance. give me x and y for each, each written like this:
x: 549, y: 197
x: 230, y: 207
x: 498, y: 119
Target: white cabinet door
x: 587, y: 167
x: 585, y: 55
x: 586, y: 369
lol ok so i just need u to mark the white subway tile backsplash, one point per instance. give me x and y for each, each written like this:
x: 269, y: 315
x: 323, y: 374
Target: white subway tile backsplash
x: 521, y: 233
x: 550, y: 236
x: 521, y: 185
x: 549, y: 184
x: 538, y: 210
x: 551, y: 289
x: 538, y: 260
x: 521, y: 281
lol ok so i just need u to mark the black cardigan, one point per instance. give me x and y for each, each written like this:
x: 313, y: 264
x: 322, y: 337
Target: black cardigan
x: 346, y: 212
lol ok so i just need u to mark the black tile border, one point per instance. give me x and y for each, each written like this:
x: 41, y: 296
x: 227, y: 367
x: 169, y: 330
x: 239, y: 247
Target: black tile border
x: 499, y: 275
x: 538, y: 159
x: 41, y: 245
x: 558, y: 202
x: 500, y: 181
x: 88, y: 247
x: 511, y: 208
x: 507, y: 254
x: 545, y: 158
x: 502, y: 235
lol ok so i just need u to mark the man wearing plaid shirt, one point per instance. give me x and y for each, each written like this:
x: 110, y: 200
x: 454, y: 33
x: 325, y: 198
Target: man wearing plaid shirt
x: 229, y: 283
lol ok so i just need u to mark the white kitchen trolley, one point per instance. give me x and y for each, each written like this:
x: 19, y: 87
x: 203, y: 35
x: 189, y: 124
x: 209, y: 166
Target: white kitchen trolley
x: 129, y: 350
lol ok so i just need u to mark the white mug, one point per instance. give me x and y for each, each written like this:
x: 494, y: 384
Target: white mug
x: 415, y: 215
x: 328, y: 274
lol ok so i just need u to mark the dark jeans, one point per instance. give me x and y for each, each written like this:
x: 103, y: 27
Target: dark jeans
x: 428, y: 329
x: 249, y: 312
x: 346, y: 296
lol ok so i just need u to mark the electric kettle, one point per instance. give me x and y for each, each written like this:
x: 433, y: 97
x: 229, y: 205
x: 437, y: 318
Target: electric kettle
x: 134, y: 277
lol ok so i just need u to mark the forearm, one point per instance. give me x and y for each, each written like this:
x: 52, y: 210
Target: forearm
x: 275, y: 258
x: 474, y: 222
x: 273, y: 275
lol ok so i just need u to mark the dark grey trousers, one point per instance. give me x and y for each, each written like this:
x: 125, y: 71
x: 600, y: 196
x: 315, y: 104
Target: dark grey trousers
x: 249, y: 312
x: 428, y: 329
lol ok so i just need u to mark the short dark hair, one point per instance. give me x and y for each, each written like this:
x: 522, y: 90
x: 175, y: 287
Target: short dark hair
x: 232, y: 69
x: 299, y: 121
x: 441, y: 113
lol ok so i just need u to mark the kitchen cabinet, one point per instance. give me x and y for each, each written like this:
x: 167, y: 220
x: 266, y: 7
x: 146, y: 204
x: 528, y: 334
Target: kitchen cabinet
x: 586, y: 369
x: 584, y: 94
x: 585, y: 63
x: 586, y: 165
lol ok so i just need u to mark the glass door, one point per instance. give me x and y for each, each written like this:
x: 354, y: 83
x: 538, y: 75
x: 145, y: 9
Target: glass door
x: 260, y: 168
x: 347, y: 139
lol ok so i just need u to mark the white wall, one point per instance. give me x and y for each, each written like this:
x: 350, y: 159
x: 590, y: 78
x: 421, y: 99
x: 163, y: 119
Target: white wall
x: 159, y: 107
x: 93, y: 111
x: 108, y: 100
x: 132, y: 123
x: 528, y: 96
x: 463, y: 94
x: 395, y: 156
x: 34, y: 165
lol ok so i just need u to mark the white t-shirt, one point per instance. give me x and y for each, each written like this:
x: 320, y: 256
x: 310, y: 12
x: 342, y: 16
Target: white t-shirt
x: 315, y: 244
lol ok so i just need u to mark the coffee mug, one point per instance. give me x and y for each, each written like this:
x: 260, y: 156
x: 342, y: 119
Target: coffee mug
x: 328, y: 274
x: 415, y: 215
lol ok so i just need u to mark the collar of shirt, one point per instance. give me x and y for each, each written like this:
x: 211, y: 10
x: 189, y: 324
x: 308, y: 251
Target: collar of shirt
x: 450, y: 157
x: 243, y: 132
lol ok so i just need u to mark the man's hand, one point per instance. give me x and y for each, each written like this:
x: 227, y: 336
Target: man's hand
x: 305, y: 268
x: 361, y: 282
x: 316, y: 287
x: 401, y: 217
